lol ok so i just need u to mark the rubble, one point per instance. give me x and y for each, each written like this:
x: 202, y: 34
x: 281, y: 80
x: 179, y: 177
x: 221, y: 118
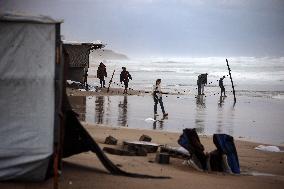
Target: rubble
x: 145, y: 138
x: 162, y: 158
x: 110, y: 140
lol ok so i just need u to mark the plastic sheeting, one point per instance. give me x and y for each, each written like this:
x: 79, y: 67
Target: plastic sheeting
x: 27, y: 99
x: 268, y: 148
x: 12, y: 16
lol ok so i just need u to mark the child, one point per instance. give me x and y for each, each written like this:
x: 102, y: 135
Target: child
x: 221, y: 85
x: 157, y: 95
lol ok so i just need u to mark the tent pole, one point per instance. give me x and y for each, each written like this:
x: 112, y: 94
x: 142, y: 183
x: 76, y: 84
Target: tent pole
x: 58, y: 101
x: 110, y: 81
x: 231, y: 81
x: 55, y: 168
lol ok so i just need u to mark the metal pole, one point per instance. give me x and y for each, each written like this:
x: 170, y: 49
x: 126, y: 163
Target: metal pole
x: 231, y: 80
x: 110, y: 81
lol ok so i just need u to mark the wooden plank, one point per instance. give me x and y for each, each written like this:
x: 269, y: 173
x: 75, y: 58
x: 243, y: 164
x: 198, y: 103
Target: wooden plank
x: 231, y: 81
x: 110, y: 81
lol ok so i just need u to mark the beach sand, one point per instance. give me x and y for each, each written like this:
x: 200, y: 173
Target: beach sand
x: 85, y: 170
x: 258, y: 169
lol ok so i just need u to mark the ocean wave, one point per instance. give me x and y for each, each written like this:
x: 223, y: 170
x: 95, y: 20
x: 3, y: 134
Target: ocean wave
x: 278, y: 96
x: 166, y: 62
x: 179, y: 85
x: 219, y: 60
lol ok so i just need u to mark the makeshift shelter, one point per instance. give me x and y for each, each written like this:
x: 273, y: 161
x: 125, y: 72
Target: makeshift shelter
x: 37, y: 125
x: 77, y: 56
x: 31, y: 88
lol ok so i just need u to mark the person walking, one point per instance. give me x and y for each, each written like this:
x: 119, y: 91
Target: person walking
x: 124, y: 77
x: 157, y: 96
x: 221, y: 85
x: 101, y: 74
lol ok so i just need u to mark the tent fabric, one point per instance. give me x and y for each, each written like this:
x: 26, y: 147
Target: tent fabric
x: 190, y: 141
x: 225, y: 145
x: 27, y: 99
x: 12, y: 17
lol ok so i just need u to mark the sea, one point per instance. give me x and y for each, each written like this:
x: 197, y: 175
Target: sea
x: 251, y: 76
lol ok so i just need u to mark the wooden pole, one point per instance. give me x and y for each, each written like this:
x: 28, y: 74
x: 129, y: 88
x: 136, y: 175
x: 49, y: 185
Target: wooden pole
x: 110, y: 81
x: 231, y: 80
x: 55, y: 167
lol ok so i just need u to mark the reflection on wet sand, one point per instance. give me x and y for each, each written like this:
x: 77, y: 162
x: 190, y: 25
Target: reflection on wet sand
x: 220, y: 115
x: 122, y: 112
x: 208, y: 115
x: 108, y: 111
x: 200, y: 114
x: 79, y: 106
x: 99, y: 109
x: 231, y: 121
x: 159, y: 124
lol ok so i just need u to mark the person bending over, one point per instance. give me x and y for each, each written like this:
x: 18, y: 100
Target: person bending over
x: 201, y: 82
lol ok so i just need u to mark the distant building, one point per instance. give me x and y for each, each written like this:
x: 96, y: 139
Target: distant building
x: 77, y: 57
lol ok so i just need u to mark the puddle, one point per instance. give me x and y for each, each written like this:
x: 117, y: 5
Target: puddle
x: 208, y: 115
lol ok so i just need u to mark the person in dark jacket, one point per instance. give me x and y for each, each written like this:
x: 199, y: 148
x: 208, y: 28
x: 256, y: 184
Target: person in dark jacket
x: 221, y: 85
x: 124, y: 77
x: 201, y: 82
x: 101, y: 74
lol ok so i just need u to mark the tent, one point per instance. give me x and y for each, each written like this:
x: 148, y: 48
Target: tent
x: 77, y: 56
x: 37, y: 125
x: 31, y: 85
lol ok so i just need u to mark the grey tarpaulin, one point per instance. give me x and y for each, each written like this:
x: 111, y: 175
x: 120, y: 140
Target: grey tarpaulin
x: 27, y: 96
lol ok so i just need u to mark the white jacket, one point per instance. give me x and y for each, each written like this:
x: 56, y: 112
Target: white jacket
x: 157, y: 90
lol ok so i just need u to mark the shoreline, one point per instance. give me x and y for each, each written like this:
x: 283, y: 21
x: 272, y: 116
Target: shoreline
x: 102, y: 91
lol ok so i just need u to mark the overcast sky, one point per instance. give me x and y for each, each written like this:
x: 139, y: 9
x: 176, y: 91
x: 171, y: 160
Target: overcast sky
x: 186, y: 28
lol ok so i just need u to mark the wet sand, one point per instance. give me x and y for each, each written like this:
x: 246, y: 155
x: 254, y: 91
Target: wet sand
x: 252, y: 119
x: 103, y: 91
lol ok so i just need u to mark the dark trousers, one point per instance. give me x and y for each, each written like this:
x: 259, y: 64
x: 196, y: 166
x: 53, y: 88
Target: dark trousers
x: 102, y: 82
x: 222, y: 90
x: 125, y: 84
x: 199, y: 89
x: 156, y: 101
